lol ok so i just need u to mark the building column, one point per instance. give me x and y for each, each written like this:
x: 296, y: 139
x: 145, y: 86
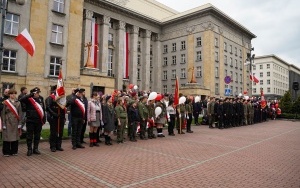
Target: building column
x: 87, y: 30
x: 146, y: 61
x: 103, y: 43
x: 120, y: 55
x: 133, y: 54
x: 157, y: 73
x: 221, y: 66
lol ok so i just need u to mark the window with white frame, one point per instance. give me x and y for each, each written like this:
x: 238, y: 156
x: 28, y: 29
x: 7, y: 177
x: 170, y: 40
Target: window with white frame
x: 231, y: 88
x: 268, y: 90
x: 59, y: 5
x: 165, y: 61
x: 11, y: 26
x: 138, y: 74
x: 151, y: 61
x: 139, y: 46
x: 230, y: 48
x: 55, y: 63
x: 110, y: 63
x: 198, y: 72
x: 182, y: 45
x: 268, y: 66
x: 268, y: 74
x: 173, y: 88
x: 165, y: 75
x: 253, y: 67
x: 241, y: 65
x: 110, y: 39
x: 225, y: 46
x: 260, y: 66
x: 217, y: 56
x: 165, y: 48
x: 173, y: 47
x: 236, y: 63
x: 231, y: 75
x: 261, y: 74
x: 174, y: 74
x: 139, y: 59
x: 182, y: 58
x: 165, y: 88
x: 231, y: 63
x: 199, y: 57
x: 240, y: 53
x: 9, y: 61
x: 216, y: 88
x: 254, y: 90
x: 268, y: 82
x: 217, y: 72
x: 57, y: 34
x: 182, y: 73
x: 199, y: 42
x: 225, y: 59
x: 216, y: 42
x: 174, y: 60
x: 261, y: 82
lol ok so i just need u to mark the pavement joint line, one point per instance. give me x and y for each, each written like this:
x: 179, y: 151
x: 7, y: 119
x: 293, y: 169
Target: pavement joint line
x: 160, y: 153
x: 81, y: 171
x: 205, y: 143
x: 207, y: 160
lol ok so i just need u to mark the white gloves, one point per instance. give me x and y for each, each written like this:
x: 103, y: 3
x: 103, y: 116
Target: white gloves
x: 187, y: 117
x: 169, y: 120
x: 179, y: 115
x: 102, y: 123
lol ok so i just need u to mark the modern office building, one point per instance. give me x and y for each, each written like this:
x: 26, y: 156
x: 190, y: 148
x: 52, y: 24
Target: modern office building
x: 123, y: 41
x: 275, y: 76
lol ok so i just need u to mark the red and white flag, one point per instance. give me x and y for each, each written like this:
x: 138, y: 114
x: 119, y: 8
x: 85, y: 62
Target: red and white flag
x: 25, y: 40
x: 176, y: 95
x: 94, y: 39
x: 60, y: 91
x: 253, y: 78
x: 126, y: 56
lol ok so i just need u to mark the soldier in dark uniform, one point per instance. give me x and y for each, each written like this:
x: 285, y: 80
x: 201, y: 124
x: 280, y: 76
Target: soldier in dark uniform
x: 230, y: 113
x: 77, y: 112
x: 35, y: 113
x: 56, y: 119
x: 144, y: 115
x: 189, y: 111
x: 225, y: 109
x: 133, y: 119
x: 256, y: 112
x: 121, y: 116
x: 220, y: 114
x: 234, y: 113
x: 240, y: 112
x: 217, y: 103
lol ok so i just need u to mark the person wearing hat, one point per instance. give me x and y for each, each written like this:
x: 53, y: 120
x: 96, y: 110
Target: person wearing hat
x: 151, y: 116
x: 69, y: 98
x: 35, y: 113
x: 133, y: 119
x: 11, y: 121
x: 144, y: 115
x: 77, y: 112
x: 108, y: 119
x: 121, y: 116
x: 56, y: 118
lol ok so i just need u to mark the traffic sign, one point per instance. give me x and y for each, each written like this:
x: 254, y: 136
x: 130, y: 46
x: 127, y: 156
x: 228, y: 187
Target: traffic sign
x: 227, y: 91
x: 227, y: 79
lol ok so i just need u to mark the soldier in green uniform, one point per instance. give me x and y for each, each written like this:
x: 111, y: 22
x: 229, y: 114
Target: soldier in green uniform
x: 189, y: 111
x: 151, y: 117
x: 181, y: 113
x: 245, y: 112
x: 251, y: 112
x: 211, y: 112
x: 144, y: 114
x: 121, y: 115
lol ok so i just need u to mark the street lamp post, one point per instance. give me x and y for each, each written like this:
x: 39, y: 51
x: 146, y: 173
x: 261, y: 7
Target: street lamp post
x: 250, y: 61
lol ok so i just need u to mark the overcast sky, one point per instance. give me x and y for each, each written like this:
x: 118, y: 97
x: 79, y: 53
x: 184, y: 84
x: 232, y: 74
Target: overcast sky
x: 276, y: 23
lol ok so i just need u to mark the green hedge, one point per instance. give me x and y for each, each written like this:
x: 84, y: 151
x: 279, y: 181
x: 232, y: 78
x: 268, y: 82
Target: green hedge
x: 289, y: 116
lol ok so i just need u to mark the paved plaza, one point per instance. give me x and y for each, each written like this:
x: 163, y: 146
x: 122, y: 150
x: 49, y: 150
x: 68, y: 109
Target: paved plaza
x: 261, y: 155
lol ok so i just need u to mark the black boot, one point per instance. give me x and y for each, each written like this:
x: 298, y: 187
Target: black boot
x: 91, y: 139
x: 106, y: 140
x: 29, y: 152
x: 35, y: 148
x: 95, y: 143
x: 109, y: 140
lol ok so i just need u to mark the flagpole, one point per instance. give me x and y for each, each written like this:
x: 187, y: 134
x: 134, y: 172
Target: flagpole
x: 250, y: 58
x: 58, y: 124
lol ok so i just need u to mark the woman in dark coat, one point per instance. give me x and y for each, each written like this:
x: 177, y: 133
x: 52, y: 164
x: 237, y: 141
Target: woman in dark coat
x: 108, y: 116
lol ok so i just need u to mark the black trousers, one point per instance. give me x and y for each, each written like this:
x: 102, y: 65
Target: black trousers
x: 10, y: 148
x: 133, y: 127
x: 76, y: 130
x: 196, y: 116
x: 189, y: 122
x: 33, y: 134
x: 143, y: 125
x: 171, y: 124
x: 83, y: 129
x: 56, y: 131
x: 221, y: 121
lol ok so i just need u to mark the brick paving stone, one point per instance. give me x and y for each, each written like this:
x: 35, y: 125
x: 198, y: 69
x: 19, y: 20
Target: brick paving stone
x: 261, y: 155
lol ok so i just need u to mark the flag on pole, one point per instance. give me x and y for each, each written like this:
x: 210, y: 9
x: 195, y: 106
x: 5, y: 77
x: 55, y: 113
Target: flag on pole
x: 176, y: 96
x: 253, y: 78
x: 25, y: 40
x: 126, y: 56
x: 60, y: 95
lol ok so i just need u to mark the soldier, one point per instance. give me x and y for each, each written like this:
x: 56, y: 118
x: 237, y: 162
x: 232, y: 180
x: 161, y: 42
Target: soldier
x: 121, y: 116
x: 151, y: 117
x: 23, y: 93
x: 234, y: 113
x: 181, y: 115
x: 189, y: 111
x: 144, y: 115
x: 217, y: 103
x: 35, y: 113
x: 211, y: 112
x: 240, y: 112
x: 251, y: 113
x: 245, y: 107
x: 56, y: 119
x: 77, y: 112
x: 220, y: 114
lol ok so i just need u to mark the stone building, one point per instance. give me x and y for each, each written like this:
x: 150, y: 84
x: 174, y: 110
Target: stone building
x: 142, y: 42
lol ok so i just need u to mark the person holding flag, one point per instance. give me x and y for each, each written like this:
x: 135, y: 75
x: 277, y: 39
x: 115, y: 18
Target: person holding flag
x: 35, y: 113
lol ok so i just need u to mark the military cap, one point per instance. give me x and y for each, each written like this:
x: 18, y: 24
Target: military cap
x: 35, y: 90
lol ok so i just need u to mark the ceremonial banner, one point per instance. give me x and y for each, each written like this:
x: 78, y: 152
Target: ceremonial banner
x: 60, y: 96
x: 25, y: 40
x: 253, y: 78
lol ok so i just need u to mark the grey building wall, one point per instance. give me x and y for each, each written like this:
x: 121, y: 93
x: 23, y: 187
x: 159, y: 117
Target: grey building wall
x: 293, y: 77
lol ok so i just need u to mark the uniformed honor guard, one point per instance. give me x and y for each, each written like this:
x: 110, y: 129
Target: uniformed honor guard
x: 189, y: 111
x: 144, y: 114
x: 35, y: 113
x: 77, y: 112
x: 181, y: 115
x: 151, y: 117
x: 121, y: 116
x: 220, y: 114
x: 56, y: 118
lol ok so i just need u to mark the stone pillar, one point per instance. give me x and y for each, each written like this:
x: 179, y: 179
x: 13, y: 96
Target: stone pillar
x: 120, y: 55
x: 156, y: 72
x: 103, y: 43
x: 86, y: 37
x: 146, y: 61
x: 133, y: 54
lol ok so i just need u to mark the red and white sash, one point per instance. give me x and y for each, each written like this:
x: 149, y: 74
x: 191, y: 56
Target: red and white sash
x: 81, y: 106
x: 38, y: 108
x: 12, y: 108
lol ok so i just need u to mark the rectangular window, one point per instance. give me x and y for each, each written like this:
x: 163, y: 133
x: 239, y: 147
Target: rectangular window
x: 165, y: 48
x: 182, y: 58
x: 231, y: 75
x: 138, y: 74
x: 230, y: 49
x: 254, y: 90
x: 216, y: 42
x: 241, y: 78
x: 199, y: 57
x: 55, y: 63
x: 174, y: 60
x: 58, y: 5
x: 165, y: 61
x: 9, y: 61
x: 217, y: 72
x: 110, y: 63
x: 225, y: 46
x: 151, y: 62
x: 260, y: 67
x: 254, y: 67
x: 150, y: 76
x: 173, y: 47
x: 199, y: 72
x: 241, y: 65
x: 261, y: 74
x: 199, y: 43
x: 236, y: 63
x: 57, y: 34
x: 231, y: 63
x: 268, y: 82
x: 151, y: 49
x: 268, y: 90
x: 173, y: 74
x: 216, y: 56
x: 11, y: 26
x: 240, y: 53
x: 217, y: 89
x: 225, y: 59
x: 165, y: 75
x: 226, y: 72
x: 139, y: 46
x: 235, y: 51
x: 110, y: 39
x: 236, y: 77
x: 182, y: 45
x: 268, y: 73
x: 165, y: 88
x: 261, y: 82
x: 183, y: 73
x: 268, y: 66
x: 139, y: 59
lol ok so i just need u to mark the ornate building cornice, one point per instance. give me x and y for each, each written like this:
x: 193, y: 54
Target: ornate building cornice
x: 105, y: 20
x: 88, y: 14
x: 134, y: 30
x: 121, y: 25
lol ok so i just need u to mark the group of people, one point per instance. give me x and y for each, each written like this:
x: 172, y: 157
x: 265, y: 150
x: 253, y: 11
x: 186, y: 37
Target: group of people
x: 139, y: 112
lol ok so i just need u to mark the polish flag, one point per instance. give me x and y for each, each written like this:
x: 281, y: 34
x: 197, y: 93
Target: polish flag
x: 176, y: 95
x: 126, y: 57
x: 25, y: 40
x: 253, y: 78
x: 60, y: 91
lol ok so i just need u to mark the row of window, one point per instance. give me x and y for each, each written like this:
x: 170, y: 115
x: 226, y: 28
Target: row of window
x: 229, y: 48
x: 182, y: 73
x: 183, y: 45
x: 261, y: 67
x: 275, y: 91
x: 182, y: 59
x: 280, y: 69
x: 231, y: 62
x: 275, y: 82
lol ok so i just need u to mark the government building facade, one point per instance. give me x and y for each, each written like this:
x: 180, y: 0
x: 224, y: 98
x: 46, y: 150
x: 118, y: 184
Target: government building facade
x: 102, y: 45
